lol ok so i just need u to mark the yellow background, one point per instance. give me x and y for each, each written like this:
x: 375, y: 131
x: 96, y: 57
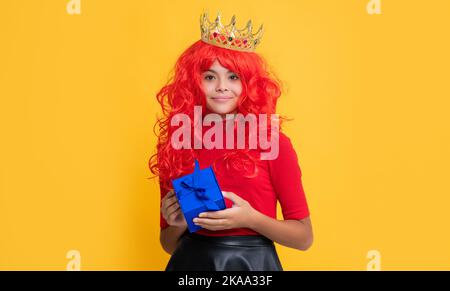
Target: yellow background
x: 369, y: 95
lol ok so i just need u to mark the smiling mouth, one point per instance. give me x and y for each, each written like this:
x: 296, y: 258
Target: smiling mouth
x: 222, y: 98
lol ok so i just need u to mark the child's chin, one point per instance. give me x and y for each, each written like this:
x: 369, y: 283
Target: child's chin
x: 222, y: 110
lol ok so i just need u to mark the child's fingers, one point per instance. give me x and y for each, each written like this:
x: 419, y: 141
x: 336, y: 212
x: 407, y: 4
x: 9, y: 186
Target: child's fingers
x: 169, y: 194
x: 170, y: 201
x: 174, y: 214
x: 168, y: 211
x: 169, y: 198
x: 172, y: 209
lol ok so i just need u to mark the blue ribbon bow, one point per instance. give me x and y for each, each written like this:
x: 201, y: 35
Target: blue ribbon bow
x: 200, y: 192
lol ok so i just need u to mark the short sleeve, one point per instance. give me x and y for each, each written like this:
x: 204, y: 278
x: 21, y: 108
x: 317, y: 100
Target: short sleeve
x: 286, y: 178
x: 162, y: 222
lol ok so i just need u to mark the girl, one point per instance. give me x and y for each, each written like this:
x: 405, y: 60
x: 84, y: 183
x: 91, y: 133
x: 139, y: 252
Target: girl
x: 222, y: 74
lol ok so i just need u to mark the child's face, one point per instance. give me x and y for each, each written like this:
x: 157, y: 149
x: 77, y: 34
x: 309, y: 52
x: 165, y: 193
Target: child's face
x: 222, y: 89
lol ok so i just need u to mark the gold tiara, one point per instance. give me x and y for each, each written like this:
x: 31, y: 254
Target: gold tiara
x: 228, y: 36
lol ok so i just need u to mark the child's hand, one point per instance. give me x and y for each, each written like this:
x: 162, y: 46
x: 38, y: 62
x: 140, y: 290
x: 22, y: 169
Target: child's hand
x: 238, y: 216
x: 171, y: 210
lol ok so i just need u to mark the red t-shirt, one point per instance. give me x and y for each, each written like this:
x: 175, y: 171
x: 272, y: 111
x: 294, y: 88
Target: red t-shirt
x: 278, y: 179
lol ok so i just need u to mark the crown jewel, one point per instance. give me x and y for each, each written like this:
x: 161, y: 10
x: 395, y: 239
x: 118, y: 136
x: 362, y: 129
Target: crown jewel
x: 228, y: 36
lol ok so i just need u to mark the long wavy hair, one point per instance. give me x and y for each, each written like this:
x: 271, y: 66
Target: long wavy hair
x: 260, y: 92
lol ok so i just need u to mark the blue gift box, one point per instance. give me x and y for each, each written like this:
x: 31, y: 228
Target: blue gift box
x: 198, y: 192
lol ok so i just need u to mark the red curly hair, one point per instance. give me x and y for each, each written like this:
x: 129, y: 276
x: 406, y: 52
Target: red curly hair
x: 183, y: 91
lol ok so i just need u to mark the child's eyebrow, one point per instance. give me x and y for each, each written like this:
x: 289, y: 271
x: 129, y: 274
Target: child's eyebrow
x: 211, y: 70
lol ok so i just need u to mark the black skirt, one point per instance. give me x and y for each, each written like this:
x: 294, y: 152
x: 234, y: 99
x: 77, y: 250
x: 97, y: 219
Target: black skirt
x: 197, y: 252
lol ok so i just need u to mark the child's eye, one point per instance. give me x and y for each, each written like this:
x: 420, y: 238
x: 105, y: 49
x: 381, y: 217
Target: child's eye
x: 209, y: 77
x: 234, y: 77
